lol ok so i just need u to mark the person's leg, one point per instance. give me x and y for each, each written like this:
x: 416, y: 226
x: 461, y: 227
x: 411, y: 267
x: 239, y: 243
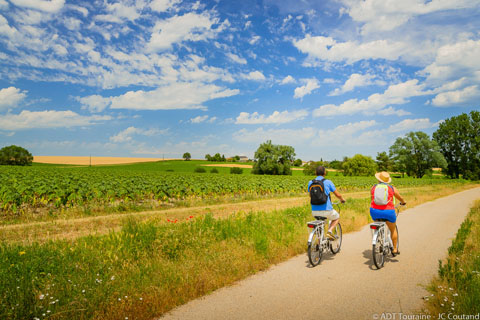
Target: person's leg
x: 335, y: 218
x: 393, y: 234
x: 333, y: 224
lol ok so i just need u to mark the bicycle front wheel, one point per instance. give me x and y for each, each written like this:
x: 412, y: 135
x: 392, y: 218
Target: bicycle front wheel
x: 314, y: 250
x: 337, y: 243
x: 377, y: 251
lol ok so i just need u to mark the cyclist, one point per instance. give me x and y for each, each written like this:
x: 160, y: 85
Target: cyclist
x: 326, y: 210
x: 386, y: 211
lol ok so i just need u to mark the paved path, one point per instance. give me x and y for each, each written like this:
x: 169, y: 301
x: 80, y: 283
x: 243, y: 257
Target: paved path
x: 346, y: 286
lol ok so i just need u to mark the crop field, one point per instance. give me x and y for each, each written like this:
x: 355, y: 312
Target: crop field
x: 51, y: 189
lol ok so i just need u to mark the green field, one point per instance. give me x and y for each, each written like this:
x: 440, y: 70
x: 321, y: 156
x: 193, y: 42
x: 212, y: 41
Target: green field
x: 49, y: 190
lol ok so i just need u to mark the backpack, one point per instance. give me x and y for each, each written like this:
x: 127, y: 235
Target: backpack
x: 317, y: 192
x: 380, y: 194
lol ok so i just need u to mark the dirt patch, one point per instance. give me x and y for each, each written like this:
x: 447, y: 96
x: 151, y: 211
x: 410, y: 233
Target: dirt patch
x: 91, y: 160
x: 234, y: 165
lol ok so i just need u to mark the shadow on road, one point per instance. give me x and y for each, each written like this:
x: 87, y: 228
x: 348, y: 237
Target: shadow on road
x: 327, y: 256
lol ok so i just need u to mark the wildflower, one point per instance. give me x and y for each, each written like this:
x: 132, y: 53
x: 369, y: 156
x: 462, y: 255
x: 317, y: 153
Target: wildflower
x: 41, y: 296
x: 112, y: 278
x: 191, y: 217
x: 21, y: 253
x: 455, y: 294
x: 83, y: 291
x: 140, y: 299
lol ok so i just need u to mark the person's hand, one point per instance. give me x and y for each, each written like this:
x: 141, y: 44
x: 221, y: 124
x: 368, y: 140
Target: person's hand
x: 342, y: 201
x: 403, y: 204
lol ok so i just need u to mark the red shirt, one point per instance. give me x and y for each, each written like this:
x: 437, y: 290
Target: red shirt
x: 390, y: 204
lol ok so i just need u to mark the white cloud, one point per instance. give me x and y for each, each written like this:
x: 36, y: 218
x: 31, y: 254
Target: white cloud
x: 254, y: 40
x: 288, y: 79
x: 394, y: 94
x: 411, y: 125
x: 354, y: 81
x: 199, y: 119
x: 94, y: 103
x: 236, y: 58
x: 10, y: 97
x: 185, y: 95
x: 254, y: 75
x: 380, y: 15
x: 163, y: 5
x: 461, y: 97
x: 390, y: 111
x: 453, y: 62
x: 51, y: 6
x: 309, y: 87
x: 127, y: 134
x: 189, y: 27
x: 3, y: 4
x: 276, y: 117
x: 327, y: 49
x: 47, y: 119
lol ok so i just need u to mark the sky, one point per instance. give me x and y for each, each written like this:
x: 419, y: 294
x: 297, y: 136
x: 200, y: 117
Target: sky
x: 160, y: 78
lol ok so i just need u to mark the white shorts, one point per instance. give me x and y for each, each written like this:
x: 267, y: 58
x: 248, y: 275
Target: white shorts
x: 329, y: 214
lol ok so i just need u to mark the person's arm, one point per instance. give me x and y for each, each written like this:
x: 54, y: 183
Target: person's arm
x: 399, y: 196
x: 339, y: 196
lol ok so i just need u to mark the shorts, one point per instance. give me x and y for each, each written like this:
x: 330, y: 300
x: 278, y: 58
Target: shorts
x: 329, y: 214
x: 389, y: 215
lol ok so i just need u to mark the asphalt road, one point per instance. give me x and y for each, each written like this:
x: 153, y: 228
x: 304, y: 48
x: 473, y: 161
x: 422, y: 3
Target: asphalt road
x: 347, y: 285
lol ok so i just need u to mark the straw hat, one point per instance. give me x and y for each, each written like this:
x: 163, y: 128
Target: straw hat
x: 383, y: 177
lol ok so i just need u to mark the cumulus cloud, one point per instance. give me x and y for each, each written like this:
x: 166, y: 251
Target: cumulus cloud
x: 188, y: 27
x: 354, y: 81
x: 288, y: 79
x: 275, y: 118
x: 51, y: 6
x: 380, y: 16
x: 10, y: 97
x: 308, y: 88
x: 185, y: 95
x: 254, y: 75
x: 48, y: 119
x: 394, y: 94
x: 411, y: 124
x: 127, y: 134
x: 236, y: 58
x: 461, y: 97
x: 204, y: 118
x: 321, y: 48
x: 163, y: 5
x: 94, y: 103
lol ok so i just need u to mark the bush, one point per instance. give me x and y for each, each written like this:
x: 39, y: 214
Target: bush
x: 214, y: 170
x: 273, y: 159
x: 359, y: 165
x: 15, y: 156
x: 236, y: 170
x: 199, y: 170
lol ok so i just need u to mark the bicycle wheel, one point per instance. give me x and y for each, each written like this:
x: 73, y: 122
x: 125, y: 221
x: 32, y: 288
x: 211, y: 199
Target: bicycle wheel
x: 378, y: 252
x: 337, y: 243
x: 314, y: 250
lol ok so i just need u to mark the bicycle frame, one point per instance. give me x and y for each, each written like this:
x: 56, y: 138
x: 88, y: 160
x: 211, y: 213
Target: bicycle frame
x: 381, y: 229
x: 319, y: 229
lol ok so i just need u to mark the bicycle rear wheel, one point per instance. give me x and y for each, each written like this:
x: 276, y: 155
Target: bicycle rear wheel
x: 337, y: 243
x: 315, y: 250
x: 377, y: 251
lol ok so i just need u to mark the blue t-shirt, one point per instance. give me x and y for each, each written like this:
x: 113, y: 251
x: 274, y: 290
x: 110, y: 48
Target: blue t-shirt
x: 329, y: 187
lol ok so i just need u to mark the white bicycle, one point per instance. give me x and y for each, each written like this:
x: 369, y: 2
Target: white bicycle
x: 318, y: 243
x: 382, y: 246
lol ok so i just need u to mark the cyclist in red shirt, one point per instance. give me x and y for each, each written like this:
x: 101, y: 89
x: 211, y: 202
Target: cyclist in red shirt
x: 386, y: 211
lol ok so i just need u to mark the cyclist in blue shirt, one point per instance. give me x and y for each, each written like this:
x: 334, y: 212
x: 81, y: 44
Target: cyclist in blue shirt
x: 326, y: 210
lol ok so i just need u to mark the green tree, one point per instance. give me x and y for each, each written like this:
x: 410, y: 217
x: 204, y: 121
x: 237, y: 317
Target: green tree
x: 383, y: 162
x: 298, y: 163
x: 309, y: 168
x: 416, y: 154
x: 335, y: 164
x: 208, y: 157
x: 187, y: 156
x: 459, y: 141
x: 273, y: 159
x: 15, y: 156
x: 359, y: 165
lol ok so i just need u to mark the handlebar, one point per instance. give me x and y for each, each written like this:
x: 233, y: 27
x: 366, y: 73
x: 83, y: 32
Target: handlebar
x: 398, y: 206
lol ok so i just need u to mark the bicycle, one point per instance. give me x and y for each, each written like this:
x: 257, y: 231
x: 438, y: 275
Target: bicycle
x: 382, y: 245
x: 318, y: 243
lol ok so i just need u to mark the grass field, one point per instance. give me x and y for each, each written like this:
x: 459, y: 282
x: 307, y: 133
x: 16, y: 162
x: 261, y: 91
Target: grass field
x: 456, y: 290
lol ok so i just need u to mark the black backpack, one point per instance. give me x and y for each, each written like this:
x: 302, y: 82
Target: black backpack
x: 317, y: 192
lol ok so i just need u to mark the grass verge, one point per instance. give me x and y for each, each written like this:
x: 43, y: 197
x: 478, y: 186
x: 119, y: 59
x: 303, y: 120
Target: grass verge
x: 456, y: 290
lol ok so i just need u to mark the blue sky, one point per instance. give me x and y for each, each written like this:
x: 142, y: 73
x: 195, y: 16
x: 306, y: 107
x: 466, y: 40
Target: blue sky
x: 163, y: 77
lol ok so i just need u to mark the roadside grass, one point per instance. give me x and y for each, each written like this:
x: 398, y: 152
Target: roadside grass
x: 149, y: 267
x: 456, y: 290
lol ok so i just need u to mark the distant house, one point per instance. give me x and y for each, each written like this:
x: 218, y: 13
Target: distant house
x: 243, y: 159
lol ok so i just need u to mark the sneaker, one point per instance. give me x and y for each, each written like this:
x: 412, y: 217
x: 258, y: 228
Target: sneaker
x: 330, y: 235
